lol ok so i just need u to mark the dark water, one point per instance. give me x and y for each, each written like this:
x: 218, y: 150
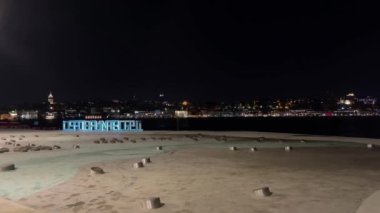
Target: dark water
x: 341, y: 126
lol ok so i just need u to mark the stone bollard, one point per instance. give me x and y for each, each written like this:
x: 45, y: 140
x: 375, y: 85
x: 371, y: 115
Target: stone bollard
x: 288, y: 148
x: 152, y: 203
x: 21, y: 149
x: 233, y: 148
x: 159, y: 147
x: 138, y: 165
x: 4, y: 149
x: 262, y: 192
x: 370, y: 146
x: 45, y: 147
x: 253, y: 149
x: 35, y: 148
x: 7, y: 167
x: 76, y: 147
x: 146, y: 161
x: 97, y: 170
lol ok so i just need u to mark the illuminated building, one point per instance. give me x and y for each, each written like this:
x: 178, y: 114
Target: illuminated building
x: 29, y: 114
x: 347, y: 102
x: 181, y: 114
x: 5, y: 116
x: 368, y: 100
x: 13, y: 114
x: 50, y: 116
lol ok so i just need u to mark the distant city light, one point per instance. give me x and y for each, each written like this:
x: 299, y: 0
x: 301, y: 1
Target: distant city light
x: 348, y: 105
x: 181, y: 114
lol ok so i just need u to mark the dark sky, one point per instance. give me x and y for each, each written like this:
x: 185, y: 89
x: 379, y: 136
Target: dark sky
x: 213, y: 50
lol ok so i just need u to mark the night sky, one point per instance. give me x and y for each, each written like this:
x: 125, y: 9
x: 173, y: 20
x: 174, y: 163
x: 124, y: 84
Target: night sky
x: 213, y: 50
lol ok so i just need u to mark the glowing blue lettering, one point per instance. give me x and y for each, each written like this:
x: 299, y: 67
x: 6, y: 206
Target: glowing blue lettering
x: 102, y: 126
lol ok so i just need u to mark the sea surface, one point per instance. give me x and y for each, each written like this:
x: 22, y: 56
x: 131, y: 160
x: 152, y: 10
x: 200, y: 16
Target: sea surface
x: 367, y: 127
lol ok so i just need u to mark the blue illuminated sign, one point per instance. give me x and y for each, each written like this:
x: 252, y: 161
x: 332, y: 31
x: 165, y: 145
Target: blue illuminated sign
x: 102, y: 125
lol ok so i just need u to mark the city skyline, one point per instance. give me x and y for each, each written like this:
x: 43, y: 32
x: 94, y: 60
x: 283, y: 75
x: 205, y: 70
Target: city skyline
x: 215, y: 51
x: 51, y: 109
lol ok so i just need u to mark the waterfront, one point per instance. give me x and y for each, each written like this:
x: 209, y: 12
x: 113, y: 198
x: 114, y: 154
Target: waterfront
x: 366, y: 127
